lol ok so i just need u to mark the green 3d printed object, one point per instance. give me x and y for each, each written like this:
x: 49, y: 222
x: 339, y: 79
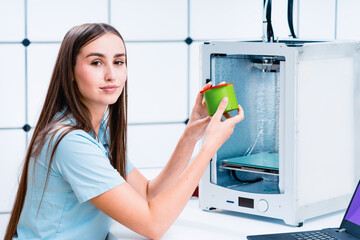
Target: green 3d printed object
x: 214, y: 95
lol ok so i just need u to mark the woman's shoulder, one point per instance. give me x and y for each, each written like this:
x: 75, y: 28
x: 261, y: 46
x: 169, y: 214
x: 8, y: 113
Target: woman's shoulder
x: 70, y: 144
x: 68, y: 133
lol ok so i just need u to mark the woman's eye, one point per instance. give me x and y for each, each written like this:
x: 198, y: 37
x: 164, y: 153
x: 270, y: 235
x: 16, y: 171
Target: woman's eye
x: 118, y: 62
x: 96, y: 63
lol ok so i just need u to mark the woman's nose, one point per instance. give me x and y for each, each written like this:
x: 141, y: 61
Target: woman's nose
x: 109, y: 73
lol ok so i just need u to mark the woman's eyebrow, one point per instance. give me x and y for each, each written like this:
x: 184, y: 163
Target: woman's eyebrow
x: 119, y: 55
x: 95, y: 54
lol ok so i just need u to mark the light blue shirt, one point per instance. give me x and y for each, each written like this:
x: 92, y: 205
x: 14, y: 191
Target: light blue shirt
x: 80, y: 171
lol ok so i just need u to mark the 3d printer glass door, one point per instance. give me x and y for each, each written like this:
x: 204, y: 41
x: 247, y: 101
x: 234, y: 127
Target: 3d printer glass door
x: 249, y: 160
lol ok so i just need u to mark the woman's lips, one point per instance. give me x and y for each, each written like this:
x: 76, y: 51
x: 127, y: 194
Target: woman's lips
x: 109, y: 88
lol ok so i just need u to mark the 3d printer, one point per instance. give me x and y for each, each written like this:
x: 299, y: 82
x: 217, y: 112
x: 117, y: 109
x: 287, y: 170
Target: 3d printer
x: 293, y: 157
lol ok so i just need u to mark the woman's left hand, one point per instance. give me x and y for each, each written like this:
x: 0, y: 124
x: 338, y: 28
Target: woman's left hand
x: 199, y: 118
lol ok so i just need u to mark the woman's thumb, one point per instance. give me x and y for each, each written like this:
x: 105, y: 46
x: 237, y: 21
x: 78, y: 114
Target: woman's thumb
x: 221, y: 108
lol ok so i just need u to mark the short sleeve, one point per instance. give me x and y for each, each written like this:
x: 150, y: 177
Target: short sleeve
x: 129, y: 166
x: 84, y: 164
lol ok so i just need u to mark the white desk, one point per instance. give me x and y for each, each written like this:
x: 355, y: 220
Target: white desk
x: 194, y: 223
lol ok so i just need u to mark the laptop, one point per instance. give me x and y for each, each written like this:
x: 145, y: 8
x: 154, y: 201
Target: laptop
x: 349, y: 227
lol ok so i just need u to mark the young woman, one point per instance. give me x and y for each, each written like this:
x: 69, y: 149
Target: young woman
x: 76, y: 177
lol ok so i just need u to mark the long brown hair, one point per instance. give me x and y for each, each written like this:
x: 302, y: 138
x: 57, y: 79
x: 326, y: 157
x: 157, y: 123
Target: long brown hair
x: 63, y: 95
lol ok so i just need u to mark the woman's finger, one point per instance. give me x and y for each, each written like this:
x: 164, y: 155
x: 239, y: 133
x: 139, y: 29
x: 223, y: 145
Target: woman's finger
x: 221, y: 108
x: 203, y: 102
x: 206, y: 86
x: 199, y: 97
x: 237, y: 118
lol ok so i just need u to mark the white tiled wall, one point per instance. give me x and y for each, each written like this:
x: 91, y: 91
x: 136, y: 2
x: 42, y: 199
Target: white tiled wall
x: 40, y: 63
x: 279, y: 18
x: 150, y: 20
x: 152, y: 145
x: 157, y: 74
x: 12, y: 20
x: 348, y: 19
x: 228, y: 19
x: 317, y: 19
x: 13, y: 146
x: 163, y: 69
x: 194, y: 69
x: 50, y: 20
x: 12, y: 90
x: 4, y: 219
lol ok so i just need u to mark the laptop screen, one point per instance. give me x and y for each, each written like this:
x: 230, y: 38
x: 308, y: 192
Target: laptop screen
x: 353, y: 213
x: 351, y: 221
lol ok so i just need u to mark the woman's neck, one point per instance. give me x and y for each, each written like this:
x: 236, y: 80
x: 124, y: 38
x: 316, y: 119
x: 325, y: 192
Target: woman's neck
x: 96, y: 118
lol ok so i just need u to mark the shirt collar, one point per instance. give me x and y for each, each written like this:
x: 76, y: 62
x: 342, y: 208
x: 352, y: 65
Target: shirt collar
x: 103, y: 131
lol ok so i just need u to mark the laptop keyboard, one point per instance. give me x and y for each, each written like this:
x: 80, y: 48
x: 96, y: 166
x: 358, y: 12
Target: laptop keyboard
x: 312, y: 236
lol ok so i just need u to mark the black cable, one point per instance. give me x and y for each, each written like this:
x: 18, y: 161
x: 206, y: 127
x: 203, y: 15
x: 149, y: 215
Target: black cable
x: 245, y: 182
x: 290, y: 17
x: 270, y: 31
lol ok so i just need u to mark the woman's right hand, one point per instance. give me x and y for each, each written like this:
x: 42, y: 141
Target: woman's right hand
x: 218, y: 131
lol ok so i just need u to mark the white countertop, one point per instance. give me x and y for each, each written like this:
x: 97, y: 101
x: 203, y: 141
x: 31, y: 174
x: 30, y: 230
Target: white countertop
x: 194, y: 223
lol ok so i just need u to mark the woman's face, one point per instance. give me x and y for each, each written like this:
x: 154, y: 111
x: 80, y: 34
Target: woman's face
x: 100, y: 71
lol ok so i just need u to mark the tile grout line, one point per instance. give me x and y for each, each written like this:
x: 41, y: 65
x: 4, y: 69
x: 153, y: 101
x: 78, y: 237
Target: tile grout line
x: 26, y: 70
x: 188, y: 18
x: 10, y: 42
x: 25, y: 17
x: 188, y: 62
x: 127, y: 41
x: 26, y: 95
x: 336, y: 17
x: 109, y: 12
x: 188, y: 82
x: 26, y: 86
x: 46, y: 42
